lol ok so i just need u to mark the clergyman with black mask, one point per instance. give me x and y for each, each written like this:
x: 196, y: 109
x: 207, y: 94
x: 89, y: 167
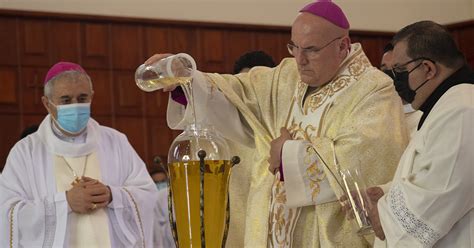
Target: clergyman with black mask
x: 430, y: 200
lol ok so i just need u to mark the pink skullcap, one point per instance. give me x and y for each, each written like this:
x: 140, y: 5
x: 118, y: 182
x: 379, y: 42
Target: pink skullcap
x: 329, y: 11
x: 61, y: 67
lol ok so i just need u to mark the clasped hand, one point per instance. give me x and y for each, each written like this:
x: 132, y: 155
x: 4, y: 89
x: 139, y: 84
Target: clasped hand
x: 87, y: 195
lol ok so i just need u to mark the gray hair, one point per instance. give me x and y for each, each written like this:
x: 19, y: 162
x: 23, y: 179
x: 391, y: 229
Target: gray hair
x: 72, y: 75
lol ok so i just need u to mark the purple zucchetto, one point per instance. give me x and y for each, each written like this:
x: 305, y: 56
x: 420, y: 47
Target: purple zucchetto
x: 329, y: 11
x: 61, y: 67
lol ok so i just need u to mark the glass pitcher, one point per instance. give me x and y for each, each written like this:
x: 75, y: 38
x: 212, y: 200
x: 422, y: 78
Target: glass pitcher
x: 173, y: 70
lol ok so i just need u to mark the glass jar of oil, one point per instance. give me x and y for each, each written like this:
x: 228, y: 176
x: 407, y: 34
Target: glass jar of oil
x: 199, y: 166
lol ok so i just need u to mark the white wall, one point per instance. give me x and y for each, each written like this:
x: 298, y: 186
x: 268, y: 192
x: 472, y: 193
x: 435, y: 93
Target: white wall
x: 380, y: 15
x: 472, y: 9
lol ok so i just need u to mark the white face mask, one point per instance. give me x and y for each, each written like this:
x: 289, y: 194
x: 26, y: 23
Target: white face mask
x: 407, y: 108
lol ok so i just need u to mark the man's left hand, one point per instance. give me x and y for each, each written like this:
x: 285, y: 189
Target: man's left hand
x: 100, y: 192
x: 275, y: 150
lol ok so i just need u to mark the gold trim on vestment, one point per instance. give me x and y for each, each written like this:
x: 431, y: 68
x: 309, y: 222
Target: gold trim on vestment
x: 137, y: 211
x: 313, y: 171
x: 12, y: 211
x: 355, y: 68
x: 280, y: 225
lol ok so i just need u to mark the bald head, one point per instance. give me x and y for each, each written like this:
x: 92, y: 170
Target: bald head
x: 321, y: 46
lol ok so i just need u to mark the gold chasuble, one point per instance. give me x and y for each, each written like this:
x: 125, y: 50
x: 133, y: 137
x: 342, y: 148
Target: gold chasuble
x: 84, y: 230
x: 357, y: 117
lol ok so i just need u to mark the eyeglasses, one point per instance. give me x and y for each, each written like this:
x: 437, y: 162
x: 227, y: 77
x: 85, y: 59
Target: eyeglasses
x: 309, y: 52
x: 400, y: 69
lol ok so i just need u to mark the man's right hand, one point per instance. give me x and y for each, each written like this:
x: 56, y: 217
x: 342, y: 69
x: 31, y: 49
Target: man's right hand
x: 276, y: 146
x: 373, y: 194
x: 87, y: 195
x: 155, y: 58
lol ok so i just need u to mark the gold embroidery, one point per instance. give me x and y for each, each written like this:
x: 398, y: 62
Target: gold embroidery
x: 302, y: 87
x: 355, y: 69
x: 321, y: 96
x: 12, y: 211
x: 138, y: 215
x: 278, y: 226
x: 314, y: 173
x: 298, y: 133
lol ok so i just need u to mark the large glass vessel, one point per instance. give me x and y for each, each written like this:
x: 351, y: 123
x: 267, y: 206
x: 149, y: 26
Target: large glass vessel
x: 199, y: 166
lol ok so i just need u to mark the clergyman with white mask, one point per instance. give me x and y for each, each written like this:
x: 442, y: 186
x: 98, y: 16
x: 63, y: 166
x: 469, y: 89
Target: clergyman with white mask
x: 74, y: 183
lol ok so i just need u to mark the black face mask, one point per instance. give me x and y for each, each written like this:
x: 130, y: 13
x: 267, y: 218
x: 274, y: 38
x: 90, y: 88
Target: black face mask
x: 388, y: 72
x: 400, y: 79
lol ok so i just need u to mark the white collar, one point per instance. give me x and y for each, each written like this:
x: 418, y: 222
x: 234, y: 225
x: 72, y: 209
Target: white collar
x: 61, y: 147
